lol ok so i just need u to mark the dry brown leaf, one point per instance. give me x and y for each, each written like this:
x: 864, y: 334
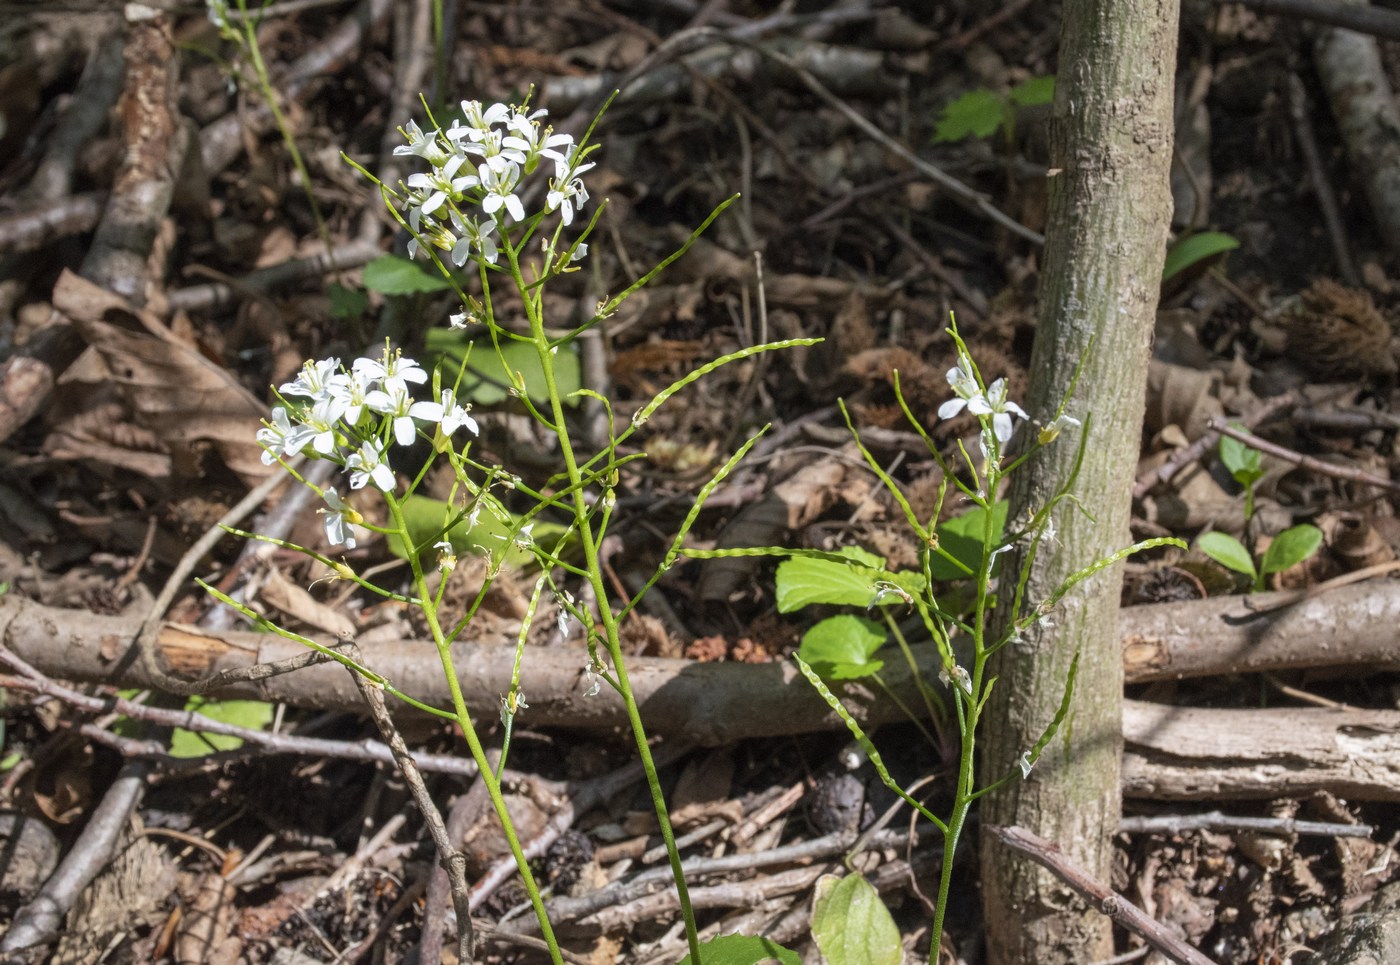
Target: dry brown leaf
x: 282, y: 594
x: 188, y: 402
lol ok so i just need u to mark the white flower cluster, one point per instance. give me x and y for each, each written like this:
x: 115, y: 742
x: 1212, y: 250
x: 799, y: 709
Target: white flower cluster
x: 352, y: 416
x: 479, y: 168
x: 969, y: 393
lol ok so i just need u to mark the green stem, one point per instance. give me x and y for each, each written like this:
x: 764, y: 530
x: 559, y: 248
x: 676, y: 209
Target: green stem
x: 464, y: 721
x: 583, y: 517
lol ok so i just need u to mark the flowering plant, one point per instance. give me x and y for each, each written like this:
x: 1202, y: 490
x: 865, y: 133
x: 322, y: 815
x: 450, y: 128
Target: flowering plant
x: 494, y: 181
x: 840, y: 648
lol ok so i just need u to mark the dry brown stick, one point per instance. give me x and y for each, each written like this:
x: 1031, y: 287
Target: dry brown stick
x: 1215, y: 821
x: 1349, y: 473
x: 1322, y: 187
x: 46, y: 222
x: 40, y: 919
x: 1112, y: 904
x: 85, y: 116
x: 450, y: 858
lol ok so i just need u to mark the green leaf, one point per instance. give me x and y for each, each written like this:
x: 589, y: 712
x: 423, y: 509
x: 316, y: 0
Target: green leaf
x: 1245, y: 463
x: 347, y: 302
x: 1195, y: 248
x: 840, y: 647
x: 978, y: 113
x: 1034, y: 92
x: 744, y: 950
x: 1228, y: 552
x: 962, y: 538
x: 1290, y: 547
x: 485, y: 381
x: 851, y: 924
x: 425, y: 516
x: 252, y: 714
x: 396, y: 275
x: 802, y: 581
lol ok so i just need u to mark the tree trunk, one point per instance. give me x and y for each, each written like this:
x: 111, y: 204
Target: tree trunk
x: 1110, y: 206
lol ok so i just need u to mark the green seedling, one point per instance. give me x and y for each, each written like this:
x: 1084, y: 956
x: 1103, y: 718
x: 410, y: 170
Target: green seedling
x: 1288, y: 548
x: 983, y: 112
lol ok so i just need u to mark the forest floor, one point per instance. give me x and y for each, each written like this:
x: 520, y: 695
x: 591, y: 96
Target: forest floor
x: 268, y: 852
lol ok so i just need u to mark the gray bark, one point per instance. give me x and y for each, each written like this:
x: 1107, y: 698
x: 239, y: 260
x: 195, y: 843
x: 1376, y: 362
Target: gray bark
x: 1110, y: 205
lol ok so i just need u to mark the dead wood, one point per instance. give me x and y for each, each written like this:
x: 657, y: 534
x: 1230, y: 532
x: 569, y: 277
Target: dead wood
x: 1351, y: 626
x: 1193, y: 753
x: 1172, y: 753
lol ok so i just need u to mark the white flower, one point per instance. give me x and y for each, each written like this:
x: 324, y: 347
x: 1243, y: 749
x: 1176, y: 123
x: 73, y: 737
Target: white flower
x: 479, y: 119
x: 458, y: 321
x: 312, y: 379
x: 475, y: 235
x: 500, y: 188
x: 534, y: 141
x: 349, y: 389
x: 1001, y: 410
x: 281, y: 437
x: 339, y: 517
x: 395, y: 402
x: 389, y: 367
x: 1052, y: 431
x: 421, y: 145
x: 595, y: 681
x: 1025, y: 763
x: 523, y: 540
x: 366, y: 465
x: 454, y: 416
x: 566, y: 190
x: 321, y: 421
x: 447, y: 556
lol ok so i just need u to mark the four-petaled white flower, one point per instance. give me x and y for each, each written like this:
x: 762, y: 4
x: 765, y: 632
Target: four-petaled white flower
x: 969, y: 395
x: 367, y: 465
x: 339, y: 517
x: 501, y: 186
x: 454, y: 416
x: 281, y: 438
x: 1052, y: 430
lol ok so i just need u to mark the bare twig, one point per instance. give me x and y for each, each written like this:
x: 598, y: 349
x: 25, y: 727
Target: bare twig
x: 1112, y: 904
x: 1189, y: 454
x: 1215, y: 821
x: 1349, y: 473
x: 40, y: 920
x: 1322, y: 188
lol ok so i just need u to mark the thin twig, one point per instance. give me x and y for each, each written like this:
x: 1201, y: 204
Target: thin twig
x: 1108, y: 901
x: 1215, y: 821
x: 1186, y: 456
x: 1322, y: 188
x: 1349, y: 473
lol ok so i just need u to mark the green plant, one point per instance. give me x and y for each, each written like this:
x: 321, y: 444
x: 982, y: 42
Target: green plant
x: 1287, y: 549
x: 983, y: 112
x: 847, y: 647
x: 466, y: 214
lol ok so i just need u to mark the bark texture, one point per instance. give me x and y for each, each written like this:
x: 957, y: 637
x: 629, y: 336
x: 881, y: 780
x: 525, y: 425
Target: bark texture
x: 1110, y: 206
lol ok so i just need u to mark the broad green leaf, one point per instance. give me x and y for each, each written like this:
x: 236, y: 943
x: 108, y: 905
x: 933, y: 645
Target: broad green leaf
x: 978, y: 113
x: 347, y: 302
x: 485, y: 381
x: 1195, y: 248
x: 1228, y: 552
x: 840, y: 647
x: 396, y: 275
x: 1245, y: 463
x: 802, y: 581
x: 1290, y: 547
x: 962, y: 537
x: 1036, y: 91
x: 252, y: 714
x: 425, y: 516
x: 851, y: 924
x: 744, y: 950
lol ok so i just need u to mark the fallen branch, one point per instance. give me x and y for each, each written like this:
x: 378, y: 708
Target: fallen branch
x: 1105, y: 899
x: 1193, y: 753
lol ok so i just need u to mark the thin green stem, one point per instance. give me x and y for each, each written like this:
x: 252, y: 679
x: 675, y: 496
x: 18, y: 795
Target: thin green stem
x: 607, y: 617
x: 464, y: 722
